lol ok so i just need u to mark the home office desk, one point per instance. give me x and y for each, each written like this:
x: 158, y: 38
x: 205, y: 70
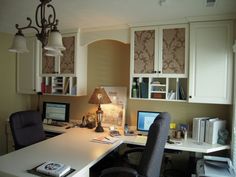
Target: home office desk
x: 74, y: 147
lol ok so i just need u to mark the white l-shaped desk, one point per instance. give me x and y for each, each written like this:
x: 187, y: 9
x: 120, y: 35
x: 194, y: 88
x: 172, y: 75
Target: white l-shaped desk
x: 75, y: 148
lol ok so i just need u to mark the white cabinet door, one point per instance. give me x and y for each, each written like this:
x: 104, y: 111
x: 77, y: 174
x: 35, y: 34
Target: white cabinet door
x: 28, y: 81
x: 64, y: 65
x: 143, y: 50
x: 173, y: 50
x: 210, y: 69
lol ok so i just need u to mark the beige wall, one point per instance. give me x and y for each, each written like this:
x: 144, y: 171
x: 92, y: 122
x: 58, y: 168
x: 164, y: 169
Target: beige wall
x: 10, y: 101
x: 108, y: 64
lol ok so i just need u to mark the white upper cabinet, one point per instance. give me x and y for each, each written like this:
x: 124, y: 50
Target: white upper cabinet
x: 65, y: 75
x: 28, y: 80
x: 66, y: 64
x: 159, y: 62
x: 211, y: 65
x: 160, y: 50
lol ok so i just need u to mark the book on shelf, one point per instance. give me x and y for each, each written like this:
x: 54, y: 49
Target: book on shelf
x: 143, y: 89
x: 171, y: 95
x: 105, y: 139
x: 182, y: 95
x: 53, y: 169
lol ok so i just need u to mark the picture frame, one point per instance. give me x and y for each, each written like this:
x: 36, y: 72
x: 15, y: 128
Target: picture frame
x: 114, y: 113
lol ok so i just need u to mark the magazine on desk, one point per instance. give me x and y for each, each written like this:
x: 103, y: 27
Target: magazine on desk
x: 53, y: 169
x: 105, y: 139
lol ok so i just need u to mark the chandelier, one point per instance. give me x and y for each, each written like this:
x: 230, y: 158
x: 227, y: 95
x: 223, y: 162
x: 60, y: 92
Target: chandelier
x: 46, y: 31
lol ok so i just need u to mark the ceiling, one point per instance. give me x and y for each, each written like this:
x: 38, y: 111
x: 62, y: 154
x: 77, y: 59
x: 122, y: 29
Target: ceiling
x: 104, y: 13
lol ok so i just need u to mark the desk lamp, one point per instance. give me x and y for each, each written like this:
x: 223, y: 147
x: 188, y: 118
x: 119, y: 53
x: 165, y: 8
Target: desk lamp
x: 99, y: 97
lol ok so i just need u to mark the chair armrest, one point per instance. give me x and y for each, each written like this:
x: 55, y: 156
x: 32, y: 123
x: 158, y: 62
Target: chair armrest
x: 133, y: 150
x: 126, y: 156
x: 123, y: 170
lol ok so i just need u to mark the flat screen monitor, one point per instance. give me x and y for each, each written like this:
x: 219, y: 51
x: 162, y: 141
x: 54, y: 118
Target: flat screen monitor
x: 56, y: 111
x: 144, y: 121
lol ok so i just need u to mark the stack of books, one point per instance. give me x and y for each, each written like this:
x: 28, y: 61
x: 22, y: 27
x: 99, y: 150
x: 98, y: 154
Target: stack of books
x: 53, y: 169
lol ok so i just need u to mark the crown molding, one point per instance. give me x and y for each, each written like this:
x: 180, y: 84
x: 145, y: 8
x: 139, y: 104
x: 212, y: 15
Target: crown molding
x: 187, y: 20
x: 212, y: 18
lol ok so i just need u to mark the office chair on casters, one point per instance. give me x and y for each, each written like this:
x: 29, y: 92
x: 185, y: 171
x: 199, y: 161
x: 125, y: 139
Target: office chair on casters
x: 27, y: 128
x: 150, y: 163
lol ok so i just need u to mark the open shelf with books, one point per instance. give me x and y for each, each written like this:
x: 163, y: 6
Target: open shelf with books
x: 139, y: 88
x: 158, y: 88
x: 58, y: 85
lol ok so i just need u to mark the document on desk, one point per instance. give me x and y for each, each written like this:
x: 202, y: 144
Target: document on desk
x: 105, y: 139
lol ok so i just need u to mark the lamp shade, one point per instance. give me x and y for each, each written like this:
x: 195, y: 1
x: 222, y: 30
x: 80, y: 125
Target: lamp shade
x: 19, y: 44
x: 53, y: 53
x: 55, y: 41
x: 99, y: 96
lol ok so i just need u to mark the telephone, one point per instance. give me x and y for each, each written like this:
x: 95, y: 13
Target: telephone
x: 114, y: 133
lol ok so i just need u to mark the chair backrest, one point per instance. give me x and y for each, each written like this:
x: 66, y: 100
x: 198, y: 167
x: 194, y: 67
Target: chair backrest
x: 150, y: 163
x: 27, y: 128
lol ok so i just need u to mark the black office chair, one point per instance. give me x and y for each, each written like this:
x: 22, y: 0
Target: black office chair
x: 27, y: 128
x: 150, y: 163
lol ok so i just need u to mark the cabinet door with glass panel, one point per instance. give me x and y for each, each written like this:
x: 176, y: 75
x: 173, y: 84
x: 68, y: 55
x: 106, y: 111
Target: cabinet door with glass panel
x: 161, y: 50
x: 64, y: 64
x: 173, y: 50
x: 143, y: 50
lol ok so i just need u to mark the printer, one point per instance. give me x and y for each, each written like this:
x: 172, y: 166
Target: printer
x: 214, y: 166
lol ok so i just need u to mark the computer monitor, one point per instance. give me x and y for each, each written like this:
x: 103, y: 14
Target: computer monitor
x: 144, y: 121
x: 56, y: 111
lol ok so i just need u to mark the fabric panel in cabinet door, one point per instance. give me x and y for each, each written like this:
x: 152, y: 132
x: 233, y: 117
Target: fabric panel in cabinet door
x: 48, y: 64
x: 67, y: 64
x: 173, y: 51
x: 144, y: 47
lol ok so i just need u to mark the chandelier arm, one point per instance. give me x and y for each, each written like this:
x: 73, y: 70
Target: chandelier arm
x: 52, y: 15
x: 43, y: 26
x: 28, y: 26
x: 36, y: 15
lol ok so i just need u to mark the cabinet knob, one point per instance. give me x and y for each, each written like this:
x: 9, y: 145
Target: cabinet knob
x: 190, y: 96
x: 159, y: 72
x: 34, y: 90
x: 154, y: 71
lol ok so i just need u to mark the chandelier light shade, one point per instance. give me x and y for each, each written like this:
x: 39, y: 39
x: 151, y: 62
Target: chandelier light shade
x: 47, y: 32
x: 53, y: 53
x: 54, y: 41
x: 19, y: 43
x: 99, y: 97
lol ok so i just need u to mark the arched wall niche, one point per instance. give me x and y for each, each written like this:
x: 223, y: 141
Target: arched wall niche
x: 121, y: 35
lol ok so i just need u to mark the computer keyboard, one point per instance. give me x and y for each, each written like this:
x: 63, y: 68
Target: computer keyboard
x: 58, y: 124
